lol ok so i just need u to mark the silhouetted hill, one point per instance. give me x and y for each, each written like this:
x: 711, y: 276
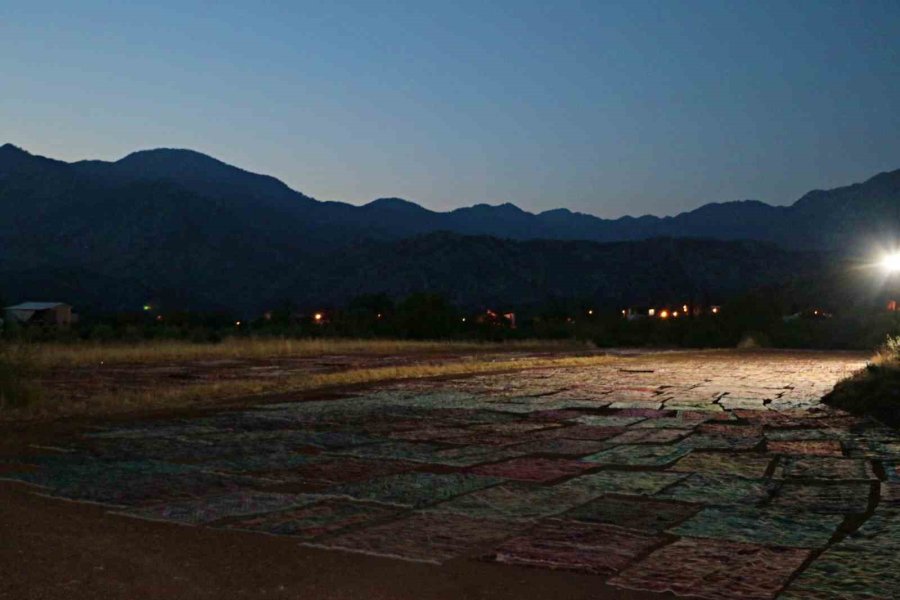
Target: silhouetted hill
x: 481, y: 270
x: 820, y: 219
x: 181, y: 224
x: 197, y: 173
x: 468, y: 270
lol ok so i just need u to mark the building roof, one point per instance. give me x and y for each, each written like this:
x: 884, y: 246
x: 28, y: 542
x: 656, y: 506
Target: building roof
x: 36, y: 306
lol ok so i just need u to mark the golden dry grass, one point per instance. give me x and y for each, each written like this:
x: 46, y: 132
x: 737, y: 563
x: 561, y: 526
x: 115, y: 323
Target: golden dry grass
x: 52, y: 355
x: 885, y: 359
x: 210, y: 394
x: 888, y: 354
x: 17, y: 378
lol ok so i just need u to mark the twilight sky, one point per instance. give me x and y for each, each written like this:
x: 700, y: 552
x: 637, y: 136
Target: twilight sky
x: 609, y: 108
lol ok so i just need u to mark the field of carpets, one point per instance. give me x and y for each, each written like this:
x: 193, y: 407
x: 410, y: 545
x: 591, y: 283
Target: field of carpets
x: 717, y: 478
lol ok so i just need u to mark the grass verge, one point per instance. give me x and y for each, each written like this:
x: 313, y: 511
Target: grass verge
x: 53, y: 355
x: 875, y: 390
x: 18, y: 389
x: 211, y: 394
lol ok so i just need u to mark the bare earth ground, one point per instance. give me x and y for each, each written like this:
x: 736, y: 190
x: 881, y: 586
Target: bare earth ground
x: 713, y: 475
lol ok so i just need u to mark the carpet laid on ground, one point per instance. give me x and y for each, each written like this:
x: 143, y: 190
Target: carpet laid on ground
x: 673, y: 480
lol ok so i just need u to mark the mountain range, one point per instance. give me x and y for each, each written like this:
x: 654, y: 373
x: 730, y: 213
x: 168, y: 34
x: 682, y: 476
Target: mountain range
x: 180, y: 225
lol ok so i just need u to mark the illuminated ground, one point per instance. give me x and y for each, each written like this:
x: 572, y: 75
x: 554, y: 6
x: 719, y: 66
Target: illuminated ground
x: 719, y: 476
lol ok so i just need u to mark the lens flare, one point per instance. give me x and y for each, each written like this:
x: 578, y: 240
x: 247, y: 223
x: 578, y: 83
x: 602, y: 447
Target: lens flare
x: 891, y: 263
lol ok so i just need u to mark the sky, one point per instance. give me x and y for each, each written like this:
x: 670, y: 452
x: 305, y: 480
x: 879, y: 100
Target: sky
x: 608, y: 108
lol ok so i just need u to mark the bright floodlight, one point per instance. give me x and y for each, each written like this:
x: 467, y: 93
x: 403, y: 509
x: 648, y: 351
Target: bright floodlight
x: 891, y: 263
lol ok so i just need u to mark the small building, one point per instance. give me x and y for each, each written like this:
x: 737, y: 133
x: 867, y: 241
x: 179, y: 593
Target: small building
x: 665, y: 311
x: 500, y: 319
x: 633, y: 313
x: 50, y: 314
x: 809, y: 314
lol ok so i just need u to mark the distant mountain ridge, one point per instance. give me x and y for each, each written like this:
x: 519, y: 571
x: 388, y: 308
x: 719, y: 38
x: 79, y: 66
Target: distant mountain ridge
x: 183, y: 225
x: 818, y: 220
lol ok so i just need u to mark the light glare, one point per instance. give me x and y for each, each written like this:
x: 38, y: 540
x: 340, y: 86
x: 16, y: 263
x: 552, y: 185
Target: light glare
x: 891, y: 262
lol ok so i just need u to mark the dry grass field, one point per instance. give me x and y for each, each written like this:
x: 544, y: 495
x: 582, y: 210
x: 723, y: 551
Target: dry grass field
x: 85, y: 354
x: 52, y: 381
x: 104, y: 379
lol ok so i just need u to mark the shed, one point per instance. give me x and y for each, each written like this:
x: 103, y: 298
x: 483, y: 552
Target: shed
x: 57, y: 314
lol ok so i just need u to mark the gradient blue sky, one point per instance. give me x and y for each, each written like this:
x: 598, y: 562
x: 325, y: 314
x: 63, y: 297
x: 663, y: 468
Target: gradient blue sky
x: 607, y: 108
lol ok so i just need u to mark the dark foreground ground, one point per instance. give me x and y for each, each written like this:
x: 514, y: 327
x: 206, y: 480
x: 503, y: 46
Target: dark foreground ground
x: 65, y: 550
x: 706, y: 475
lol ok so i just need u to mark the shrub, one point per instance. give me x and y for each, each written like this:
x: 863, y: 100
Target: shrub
x: 875, y: 390
x: 891, y: 349
x: 754, y: 339
x: 427, y: 316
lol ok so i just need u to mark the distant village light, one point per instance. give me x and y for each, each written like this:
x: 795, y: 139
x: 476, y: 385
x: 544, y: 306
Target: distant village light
x: 652, y: 312
x: 664, y: 314
x: 147, y: 307
x: 318, y: 316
